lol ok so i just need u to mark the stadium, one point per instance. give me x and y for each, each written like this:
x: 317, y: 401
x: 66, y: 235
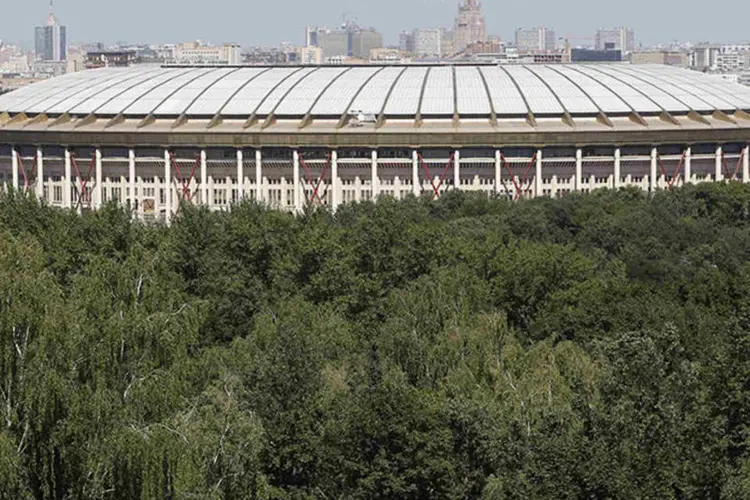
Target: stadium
x: 151, y: 137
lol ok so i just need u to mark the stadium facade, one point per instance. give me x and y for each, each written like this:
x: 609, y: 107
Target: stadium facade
x: 151, y: 137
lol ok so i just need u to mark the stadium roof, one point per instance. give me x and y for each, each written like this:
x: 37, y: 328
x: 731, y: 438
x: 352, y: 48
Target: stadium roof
x: 388, y: 91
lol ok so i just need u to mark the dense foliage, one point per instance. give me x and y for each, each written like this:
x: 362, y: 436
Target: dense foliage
x: 596, y: 346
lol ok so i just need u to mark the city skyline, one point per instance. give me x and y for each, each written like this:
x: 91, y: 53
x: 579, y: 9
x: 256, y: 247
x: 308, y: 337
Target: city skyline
x: 88, y: 21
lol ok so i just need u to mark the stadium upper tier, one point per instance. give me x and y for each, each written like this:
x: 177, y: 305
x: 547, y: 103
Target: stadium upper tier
x: 388, y: 91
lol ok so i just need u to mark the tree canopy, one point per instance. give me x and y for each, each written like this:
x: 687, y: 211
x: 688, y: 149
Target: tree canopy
x: 594, y: 346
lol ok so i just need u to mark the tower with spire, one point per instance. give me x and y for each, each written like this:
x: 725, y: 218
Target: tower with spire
x: 51, y: 42
x: 470, y: 25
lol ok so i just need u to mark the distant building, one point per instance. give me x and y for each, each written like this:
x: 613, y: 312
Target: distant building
x: 588, y: 55
x: 428, y: 42
x: 310, y: 55
x: 51, y: 42
x: 198, y: 53
x: 470, y: 25
x: 350, y: 40
x: 406, y: 42
x: 535, y: 39
x: 110, y: 58
x: 671, y: 58
x: 622, y: 39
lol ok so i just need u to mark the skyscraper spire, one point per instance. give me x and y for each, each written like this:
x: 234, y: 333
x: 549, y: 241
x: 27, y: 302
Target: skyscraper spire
x: 51, y: 20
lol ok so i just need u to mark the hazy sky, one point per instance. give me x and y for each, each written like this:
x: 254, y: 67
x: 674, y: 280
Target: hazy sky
x: 256, y: 22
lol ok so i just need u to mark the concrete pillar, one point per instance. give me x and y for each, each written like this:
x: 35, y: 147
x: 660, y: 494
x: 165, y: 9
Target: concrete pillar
x: 259, y: 176
x: 298, y: 204
x: 579, y: 170
x: 204, y: 178
x: 538, y: 175
x: 131, y: 178
x: 98, y: 188
x: 374, y: 182
x: 14, y: 166
x: 688, y: 166
x: 746, y: 164
x: 457, y: 170
x: 357, y: 189
x: 652, y: 180
x: 335, y: 188
x: 240, y: 176
x: 498, y: 170
x: 416, y: 188
x: 39, y: 174
x: 397, y: 187
x: 718, y: 176
x: 167, y: 188
x: 67, y: 183
x: 618, y: 168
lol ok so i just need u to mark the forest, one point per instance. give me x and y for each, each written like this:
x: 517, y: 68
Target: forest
x: 595, y: 346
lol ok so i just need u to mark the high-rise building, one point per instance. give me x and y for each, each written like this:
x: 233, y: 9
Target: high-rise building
x: 51, y: 42
x: 349, y: 41
x: 535, y: 39
x: 622, y: 39
x: 470, y: 26
x: 427, y: 42
x: 406, y: 42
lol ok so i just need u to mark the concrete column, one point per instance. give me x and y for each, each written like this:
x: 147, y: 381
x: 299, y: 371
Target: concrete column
x: 618, y: 168
x: 39, y: 174
x: 374, y: 175
x: 538, y: 176
x: 259, y: 176
x: 335, y: 188
x: 67, y: 203
x: 579, y: 170
x: 457, y: 170
x: 688, y: 166
x: 204, y: 178
x: 397, y: 187
x: 746, y: 164
x: 357, y: 189
x: 719, y: 161
x: 554, y: 187
x: 131, y: 177
x: 240, y: 176
x: 416, y: 188
x: 498, y: 170
x: 14, y: 166
x: 298, y: 195
x: 98, y: 188
x: 167, y: 188
x: 652, y: 180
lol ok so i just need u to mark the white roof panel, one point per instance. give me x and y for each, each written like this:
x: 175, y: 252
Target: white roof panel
x: 272, y: 98
x: 715, y: 98
x: 212, y: 100
x: 181, y: 100
x: 728, y: 91
x: 506, y: 98
x: 337, y: 97
x: 43, y: 101
x: 147, y: 103
x: 439, y: 97
x: 472, y: 98
x: 662, y: 98
x: 372, y: 97
x: 91, y: 104
x: 250, y: 96
x: 120, y: 103
x: 404, y: 99
x: 606, y: 99
x: 17, y: 100
x: 73, y: 101
x: 572, y: 98
x: 301, y: 98
x: 540, y: 98
x: 635, y: 99
x: 679, y: 92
